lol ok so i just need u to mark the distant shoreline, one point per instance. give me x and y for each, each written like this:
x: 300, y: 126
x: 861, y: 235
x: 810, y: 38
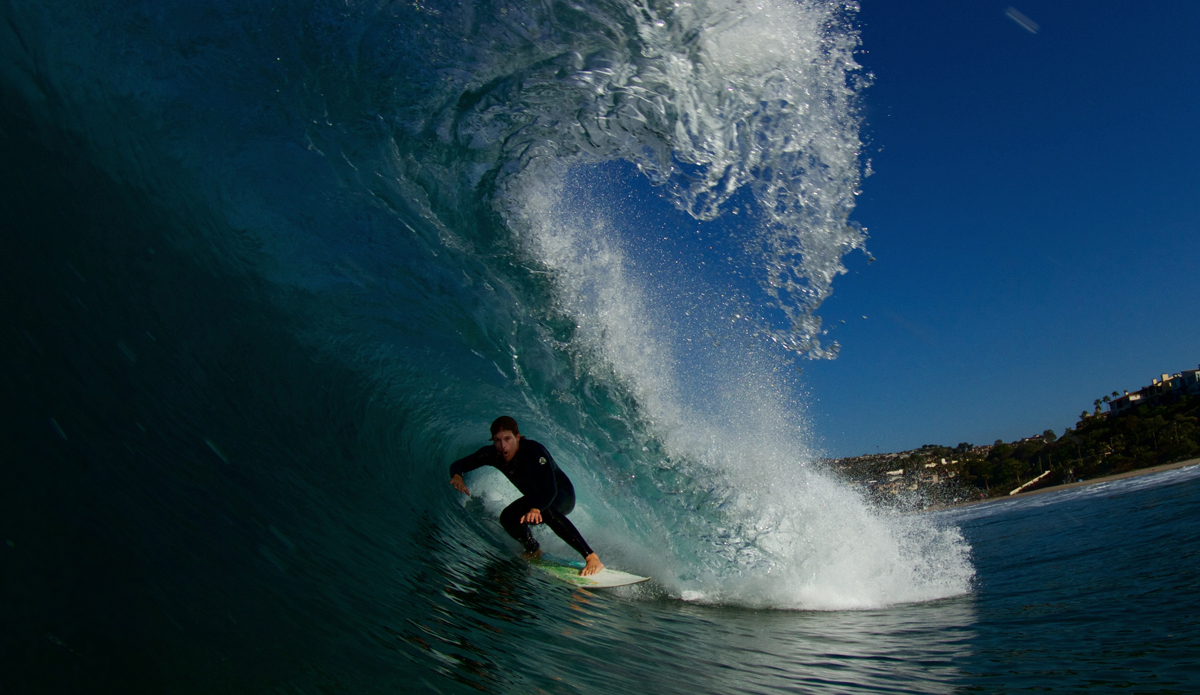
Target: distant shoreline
x: 1090, y: 481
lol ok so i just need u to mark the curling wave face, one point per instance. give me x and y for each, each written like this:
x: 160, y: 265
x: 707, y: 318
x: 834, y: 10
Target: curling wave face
x: 407, y: 178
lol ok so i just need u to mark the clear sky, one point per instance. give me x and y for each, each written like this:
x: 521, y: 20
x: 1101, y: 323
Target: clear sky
x: 1034, y: 213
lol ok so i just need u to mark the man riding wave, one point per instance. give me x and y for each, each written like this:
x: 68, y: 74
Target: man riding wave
x: 547, y: 495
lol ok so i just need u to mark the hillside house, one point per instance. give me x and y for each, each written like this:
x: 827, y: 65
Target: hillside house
x: 1164, y: 389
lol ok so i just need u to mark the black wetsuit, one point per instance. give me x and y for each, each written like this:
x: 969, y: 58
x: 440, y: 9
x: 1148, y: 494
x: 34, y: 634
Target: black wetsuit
x: 543, y: 486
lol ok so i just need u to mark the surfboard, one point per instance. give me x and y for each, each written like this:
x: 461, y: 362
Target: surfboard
x: 568, y: 571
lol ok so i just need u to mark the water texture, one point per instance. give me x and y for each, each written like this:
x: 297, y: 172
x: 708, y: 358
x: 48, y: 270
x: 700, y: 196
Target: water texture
x: 269, y: 269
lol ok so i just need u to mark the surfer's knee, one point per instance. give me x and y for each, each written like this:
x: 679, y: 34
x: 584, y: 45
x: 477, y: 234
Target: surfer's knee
x: 565, y: 502
x: 510, y: 518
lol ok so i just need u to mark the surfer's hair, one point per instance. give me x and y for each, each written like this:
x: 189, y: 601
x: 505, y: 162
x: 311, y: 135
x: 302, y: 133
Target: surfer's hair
x: 504, y: 422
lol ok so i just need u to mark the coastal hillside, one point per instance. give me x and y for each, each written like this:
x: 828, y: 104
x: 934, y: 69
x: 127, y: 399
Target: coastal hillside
x: 1161, y: 427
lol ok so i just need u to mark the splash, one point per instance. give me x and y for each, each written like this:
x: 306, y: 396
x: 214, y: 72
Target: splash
x: 725, y: 481
x: 734, y: 103
x: 706, y: 99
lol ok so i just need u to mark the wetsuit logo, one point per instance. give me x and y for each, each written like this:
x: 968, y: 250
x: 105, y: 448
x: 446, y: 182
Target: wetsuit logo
x: 542, y: 460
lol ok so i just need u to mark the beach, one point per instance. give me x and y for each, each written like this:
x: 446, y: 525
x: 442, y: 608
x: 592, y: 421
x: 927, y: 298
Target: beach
x: 1092, y: 481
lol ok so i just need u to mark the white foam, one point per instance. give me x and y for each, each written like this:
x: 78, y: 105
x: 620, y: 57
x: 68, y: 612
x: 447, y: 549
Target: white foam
x: 783, y: 534
x: 764, y: 527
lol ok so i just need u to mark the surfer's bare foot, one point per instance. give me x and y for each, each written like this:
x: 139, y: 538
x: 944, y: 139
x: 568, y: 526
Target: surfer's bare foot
x: 593, y: 565
x: 531, y: 554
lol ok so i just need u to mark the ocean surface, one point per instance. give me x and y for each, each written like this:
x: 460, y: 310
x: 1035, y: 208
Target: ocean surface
x: 268, y: 269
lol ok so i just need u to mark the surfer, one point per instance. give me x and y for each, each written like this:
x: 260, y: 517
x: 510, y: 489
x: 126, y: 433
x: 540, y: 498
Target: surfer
x: 547, y: 495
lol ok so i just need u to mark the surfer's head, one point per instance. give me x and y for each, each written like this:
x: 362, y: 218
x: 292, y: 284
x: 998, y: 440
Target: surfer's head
x: 505, y: 422
x: 506, y: 436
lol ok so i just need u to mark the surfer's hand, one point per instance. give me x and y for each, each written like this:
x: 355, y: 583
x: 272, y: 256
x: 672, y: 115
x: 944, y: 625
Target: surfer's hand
x: 459, y: 485
x: 593, y: 565
x: 533, y: 516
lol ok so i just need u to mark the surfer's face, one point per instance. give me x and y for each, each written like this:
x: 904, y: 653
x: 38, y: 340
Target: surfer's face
x: 506, y: 443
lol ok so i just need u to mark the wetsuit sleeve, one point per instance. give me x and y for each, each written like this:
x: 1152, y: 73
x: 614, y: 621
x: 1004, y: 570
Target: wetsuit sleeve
x: 467, y: 464
x: 544, y: 480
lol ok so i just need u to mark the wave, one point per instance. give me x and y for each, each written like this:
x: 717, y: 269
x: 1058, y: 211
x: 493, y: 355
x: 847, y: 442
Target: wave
x: 438, y: 196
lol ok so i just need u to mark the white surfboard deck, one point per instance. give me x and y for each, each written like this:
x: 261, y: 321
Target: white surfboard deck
x: 568, y: 571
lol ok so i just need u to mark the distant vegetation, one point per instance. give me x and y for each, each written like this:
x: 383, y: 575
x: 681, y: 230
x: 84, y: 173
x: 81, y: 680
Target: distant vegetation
x: 1098, y: 445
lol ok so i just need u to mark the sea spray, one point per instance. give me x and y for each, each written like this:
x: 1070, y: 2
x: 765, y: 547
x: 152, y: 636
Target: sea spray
x: 732, y: 487
x: 706, y: 99
x: 723, y: 502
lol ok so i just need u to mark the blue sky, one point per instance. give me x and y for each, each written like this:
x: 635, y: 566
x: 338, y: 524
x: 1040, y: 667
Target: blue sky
x: 1035, y: 216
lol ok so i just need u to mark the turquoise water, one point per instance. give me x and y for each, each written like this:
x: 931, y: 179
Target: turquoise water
x: 268, y: 270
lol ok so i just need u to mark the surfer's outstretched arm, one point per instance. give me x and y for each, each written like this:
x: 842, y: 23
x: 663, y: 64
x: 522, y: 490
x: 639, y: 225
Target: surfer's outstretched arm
x: 467, y: 464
